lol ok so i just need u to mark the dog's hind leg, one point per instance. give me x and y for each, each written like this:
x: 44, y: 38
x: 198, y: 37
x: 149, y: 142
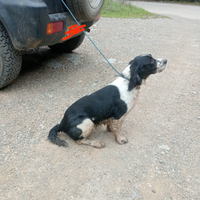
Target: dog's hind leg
x: 86, y: 127
x: 96, y: 144
x: 114, y: 126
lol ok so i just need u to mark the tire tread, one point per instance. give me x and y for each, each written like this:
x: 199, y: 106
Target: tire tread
x: 12, y: 58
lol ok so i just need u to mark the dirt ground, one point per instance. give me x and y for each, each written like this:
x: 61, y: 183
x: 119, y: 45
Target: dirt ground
x: 161, y: 161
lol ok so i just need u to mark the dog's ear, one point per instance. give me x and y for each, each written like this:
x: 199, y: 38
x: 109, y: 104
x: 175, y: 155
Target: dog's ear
x: 135, y: 79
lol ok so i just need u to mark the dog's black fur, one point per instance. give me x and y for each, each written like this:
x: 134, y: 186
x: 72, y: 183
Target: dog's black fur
x: 102, y: 104
x: 98, y: 106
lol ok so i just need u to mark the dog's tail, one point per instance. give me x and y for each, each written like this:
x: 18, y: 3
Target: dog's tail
x: 54, y: 138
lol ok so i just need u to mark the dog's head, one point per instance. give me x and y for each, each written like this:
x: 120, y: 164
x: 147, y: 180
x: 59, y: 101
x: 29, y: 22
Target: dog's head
x: 141, y: 68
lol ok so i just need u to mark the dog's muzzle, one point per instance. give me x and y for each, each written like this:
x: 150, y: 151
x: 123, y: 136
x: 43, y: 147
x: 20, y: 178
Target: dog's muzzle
x: 161, y: 64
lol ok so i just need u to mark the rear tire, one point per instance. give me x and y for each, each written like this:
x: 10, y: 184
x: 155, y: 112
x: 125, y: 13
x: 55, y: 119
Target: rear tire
x: 85, y: 9
x: 69, y: 45
x: 10, y: 59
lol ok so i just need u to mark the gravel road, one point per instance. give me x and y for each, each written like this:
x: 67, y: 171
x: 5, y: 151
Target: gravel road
x: 184, y: 11
x: 161, y: 161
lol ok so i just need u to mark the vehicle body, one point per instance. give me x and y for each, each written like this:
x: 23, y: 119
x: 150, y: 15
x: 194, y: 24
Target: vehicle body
x: 28, y: 24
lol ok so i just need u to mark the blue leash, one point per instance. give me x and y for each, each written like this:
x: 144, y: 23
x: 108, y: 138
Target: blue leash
x: 121, y: 75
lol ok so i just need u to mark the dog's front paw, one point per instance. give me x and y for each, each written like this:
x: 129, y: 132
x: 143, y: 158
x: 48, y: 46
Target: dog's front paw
x: 99, y: 144
x: 121, y: 140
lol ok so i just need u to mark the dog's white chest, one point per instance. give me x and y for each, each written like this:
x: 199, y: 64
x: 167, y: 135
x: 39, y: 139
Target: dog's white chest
x: 129, y: 97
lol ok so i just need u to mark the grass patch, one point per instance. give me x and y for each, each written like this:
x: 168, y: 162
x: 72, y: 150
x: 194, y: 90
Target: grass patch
x: 122, y: 10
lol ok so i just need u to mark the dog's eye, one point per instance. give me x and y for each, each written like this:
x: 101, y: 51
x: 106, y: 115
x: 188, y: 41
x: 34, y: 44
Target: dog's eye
x: 152, y: 60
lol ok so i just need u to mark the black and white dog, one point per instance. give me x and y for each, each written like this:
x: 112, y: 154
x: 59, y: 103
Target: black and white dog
x: 108, y: 106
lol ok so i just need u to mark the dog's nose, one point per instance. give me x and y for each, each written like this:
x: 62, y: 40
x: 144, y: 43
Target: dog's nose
x: 165, y: 61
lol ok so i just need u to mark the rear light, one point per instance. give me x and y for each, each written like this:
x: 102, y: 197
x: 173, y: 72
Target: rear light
x: 54, y: 27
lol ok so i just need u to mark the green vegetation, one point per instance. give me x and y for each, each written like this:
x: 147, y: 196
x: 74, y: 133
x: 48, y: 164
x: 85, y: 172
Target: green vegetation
x: 122, y: 10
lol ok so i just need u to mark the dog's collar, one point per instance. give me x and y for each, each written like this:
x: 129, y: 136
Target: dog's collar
x: 121, y: 75
x: 138, y: 77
